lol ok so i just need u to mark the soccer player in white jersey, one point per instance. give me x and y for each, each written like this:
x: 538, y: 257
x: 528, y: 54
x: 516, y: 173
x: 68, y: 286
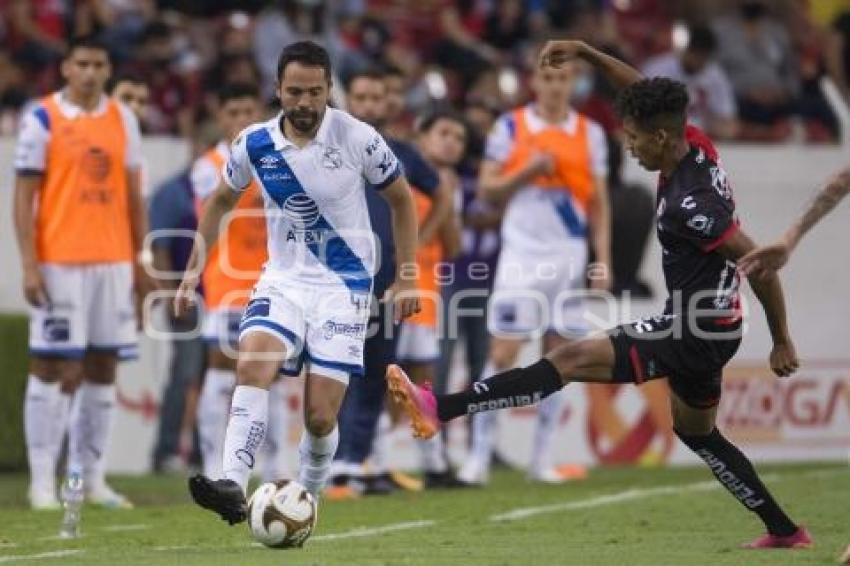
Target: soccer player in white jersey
x: 547, y: 164
x: 312, y: 301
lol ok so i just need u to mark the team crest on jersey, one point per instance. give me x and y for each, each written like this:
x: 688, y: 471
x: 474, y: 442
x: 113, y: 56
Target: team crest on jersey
x: 56, y: 329
x: 701, y: 223
x: 332, y: 158
x: 96, y: 164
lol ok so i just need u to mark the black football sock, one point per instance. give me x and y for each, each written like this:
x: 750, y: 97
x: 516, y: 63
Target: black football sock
x: 735, y: 472
x: 513, y: 388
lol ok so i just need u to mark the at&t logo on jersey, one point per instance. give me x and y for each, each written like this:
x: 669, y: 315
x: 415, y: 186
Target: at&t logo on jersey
x: 303, y: 212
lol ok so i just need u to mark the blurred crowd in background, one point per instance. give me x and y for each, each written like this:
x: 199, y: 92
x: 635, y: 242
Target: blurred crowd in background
x: 754, y: 67
x: 754, y: 70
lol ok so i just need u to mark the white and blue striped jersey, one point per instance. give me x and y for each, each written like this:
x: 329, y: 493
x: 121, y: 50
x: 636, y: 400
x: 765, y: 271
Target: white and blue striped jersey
x: 319, y: 231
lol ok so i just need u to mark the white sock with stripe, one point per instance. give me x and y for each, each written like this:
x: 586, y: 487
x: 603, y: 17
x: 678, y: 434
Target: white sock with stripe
x: 246, y: 431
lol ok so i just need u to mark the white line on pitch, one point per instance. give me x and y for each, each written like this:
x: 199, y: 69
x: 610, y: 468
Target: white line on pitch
x: 171, y: 548
x: 7, y: 545
x: 59, y: 537
x: 121, y: 528
x: 633, y: 494
x: 362, y: 532
x: 602, y: 500
x: 368, y: 532
x: 42, y: 556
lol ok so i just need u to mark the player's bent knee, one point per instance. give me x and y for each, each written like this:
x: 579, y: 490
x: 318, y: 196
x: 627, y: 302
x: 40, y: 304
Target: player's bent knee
x: 100, y: 368
x: 569, y: 357
x: 52, y: 370
x: 218, y: 359
x: 255, y: 373
x: 320, y: 421
x: 690, y: 429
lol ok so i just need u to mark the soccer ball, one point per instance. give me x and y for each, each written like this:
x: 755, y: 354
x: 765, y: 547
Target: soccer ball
x: 282, y: 514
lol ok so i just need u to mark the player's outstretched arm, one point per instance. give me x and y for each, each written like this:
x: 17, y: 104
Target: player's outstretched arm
x: 768, y: 290
x: 216, y: 207
x: 400, y: 199
x: 557, y: 52
x: 775, y: 256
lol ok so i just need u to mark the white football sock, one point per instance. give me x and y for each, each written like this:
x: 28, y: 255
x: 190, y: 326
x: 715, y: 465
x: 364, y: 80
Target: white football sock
x: 41, y: 402
x: 431, y: 452
x: 274, y: 467
x: 548, y: 417
x: 246, y: 431
x: 317, y: 454
x: 213, y: 410
x: 61, y: 424
x: 484, y: 429
x: 88, y: 433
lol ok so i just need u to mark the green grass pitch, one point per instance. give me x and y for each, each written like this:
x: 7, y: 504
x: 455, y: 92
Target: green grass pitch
x: 618, y: 516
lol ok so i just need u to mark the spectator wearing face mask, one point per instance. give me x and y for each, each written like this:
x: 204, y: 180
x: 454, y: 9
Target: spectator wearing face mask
x: 712, y: 100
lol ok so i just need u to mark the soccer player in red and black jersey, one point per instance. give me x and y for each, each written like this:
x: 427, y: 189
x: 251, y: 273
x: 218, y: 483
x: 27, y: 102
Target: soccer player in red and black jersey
x: 700, y: 329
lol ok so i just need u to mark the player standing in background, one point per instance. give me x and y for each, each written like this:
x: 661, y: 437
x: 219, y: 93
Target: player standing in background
x: 366, y: 99
x: 312, y: 301
x: 134, y: 93
x: 80, y: 222
x: 418, y: 348
x: 700, y: 329
x: 233, y: 267
x: 442, y: 138
x: 548, y: 163
x: 773, y: 257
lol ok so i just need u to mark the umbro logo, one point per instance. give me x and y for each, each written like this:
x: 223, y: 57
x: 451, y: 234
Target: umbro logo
x: 269, y: 161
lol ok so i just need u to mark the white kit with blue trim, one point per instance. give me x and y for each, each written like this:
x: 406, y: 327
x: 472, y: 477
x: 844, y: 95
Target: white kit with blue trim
x: 320, y: 239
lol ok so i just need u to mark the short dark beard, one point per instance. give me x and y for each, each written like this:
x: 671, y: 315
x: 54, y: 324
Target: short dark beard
x: 313, y: 125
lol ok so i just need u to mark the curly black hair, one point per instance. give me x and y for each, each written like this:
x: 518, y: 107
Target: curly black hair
x: 657, y: 103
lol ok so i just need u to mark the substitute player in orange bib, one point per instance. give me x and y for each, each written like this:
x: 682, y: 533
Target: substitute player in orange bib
x: 80, y: 223
x: 547, y: 164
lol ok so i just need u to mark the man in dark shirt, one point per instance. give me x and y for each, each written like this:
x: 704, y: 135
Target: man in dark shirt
x: 700, y: 329
x: 171, y: 210
x: 364, y: 398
